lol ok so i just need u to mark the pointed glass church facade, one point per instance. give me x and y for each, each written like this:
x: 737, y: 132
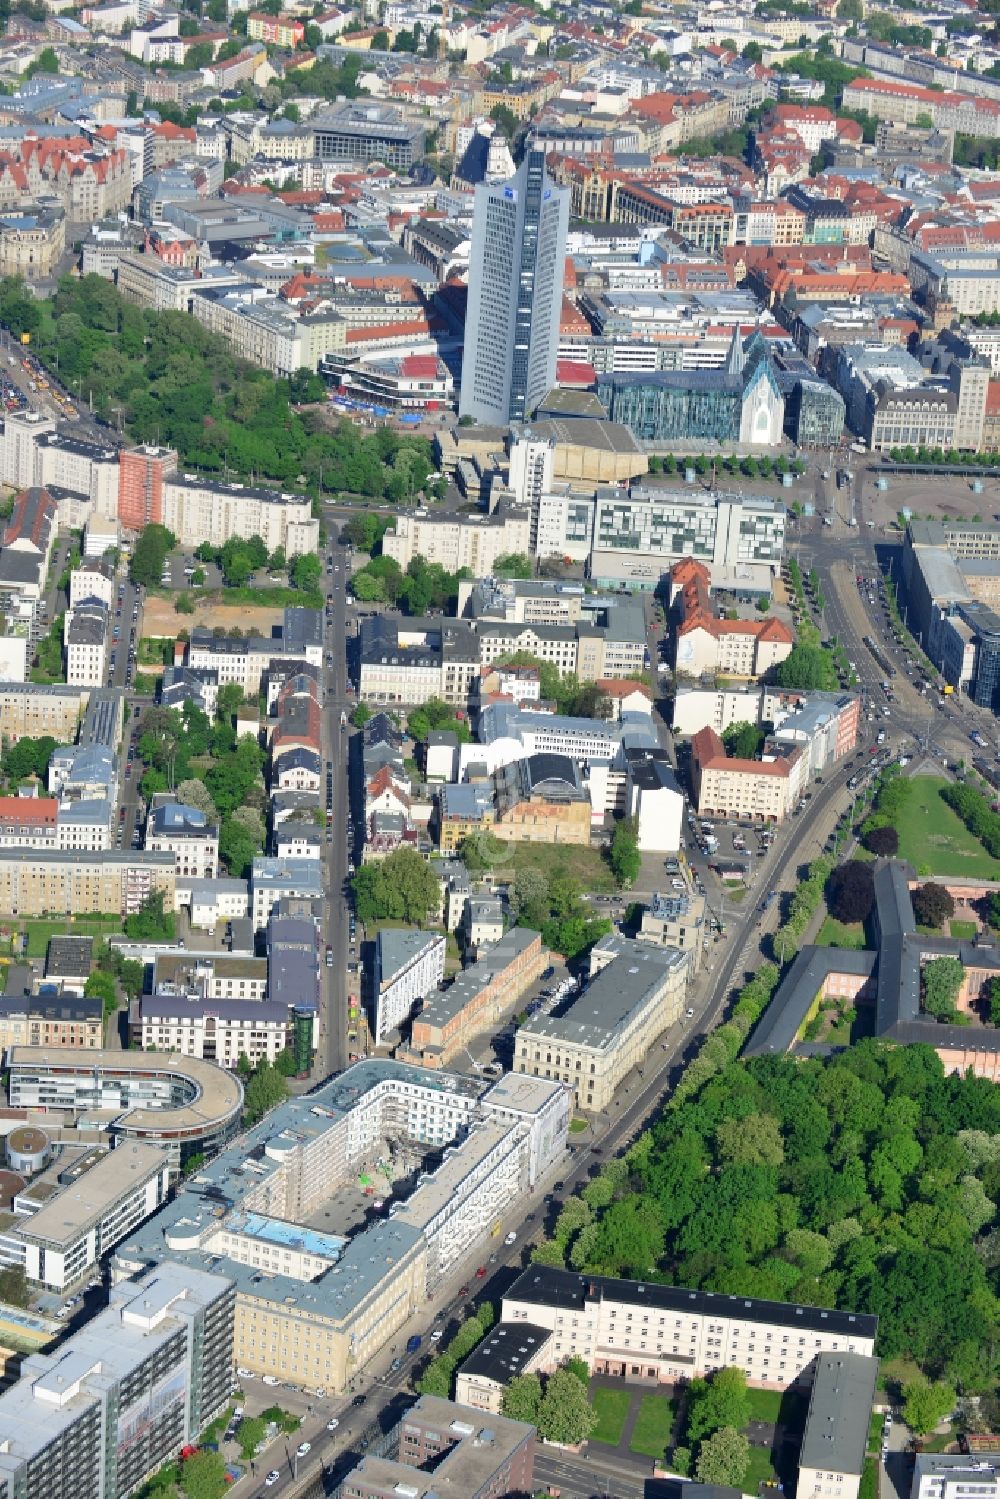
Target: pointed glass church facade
x: 741, y: 402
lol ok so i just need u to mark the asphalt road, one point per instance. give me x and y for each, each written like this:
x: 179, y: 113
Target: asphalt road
x: 332, y: 1054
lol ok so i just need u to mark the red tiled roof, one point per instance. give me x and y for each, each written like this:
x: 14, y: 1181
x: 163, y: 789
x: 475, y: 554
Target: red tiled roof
x: 40, y: 811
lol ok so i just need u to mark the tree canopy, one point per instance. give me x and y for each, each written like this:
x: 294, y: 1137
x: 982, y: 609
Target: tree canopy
x: 882, y: 1198
x: 402, y: 887
x: 933, y: 905
x: 940, y: 981
x: 624, y: 855
x: 850, y: 891
x: 807, y: 666
x: 171, y: 381
x: 743, y: 741
x: 151, y: 923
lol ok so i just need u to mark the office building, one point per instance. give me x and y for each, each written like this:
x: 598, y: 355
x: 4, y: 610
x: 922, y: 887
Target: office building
x: 71, y: 1216
x: 956, y: 1475
x: 442, y: 1454
x: 705, y: 645
x: 362, y: 133
x: 515, y: 294
x: 122, y: 1396
x: 314, y: 1305
x: 190, y: 1107
x: 634, y: 993
x: 409, y: 965
x: 661, y: 1334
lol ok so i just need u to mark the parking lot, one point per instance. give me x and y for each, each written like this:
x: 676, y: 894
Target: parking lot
x: 179, y: 568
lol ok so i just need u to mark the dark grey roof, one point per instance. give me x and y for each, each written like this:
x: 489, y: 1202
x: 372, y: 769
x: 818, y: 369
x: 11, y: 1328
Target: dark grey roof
x: 302, y: 627
x: 896, y: 964
x: 69, y: 957
x: 565, y: 1289
x: 52, y: 1007
x: 546, y: 767
x: 503, y: 1353
x: 779, y: 1025
x: 298, y: 756
x: 173, y: 1006
x: 840, y: 1406
x: 20, y: 567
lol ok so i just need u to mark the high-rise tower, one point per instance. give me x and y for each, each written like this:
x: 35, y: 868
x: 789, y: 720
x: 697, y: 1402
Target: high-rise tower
x: 515, y: 294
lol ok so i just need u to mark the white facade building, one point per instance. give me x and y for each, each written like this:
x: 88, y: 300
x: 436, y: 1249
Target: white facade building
x: 408, y: 966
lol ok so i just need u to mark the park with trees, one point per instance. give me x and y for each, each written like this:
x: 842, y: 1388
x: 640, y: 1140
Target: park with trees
x: 867, y: 1180
x: 164, y: 378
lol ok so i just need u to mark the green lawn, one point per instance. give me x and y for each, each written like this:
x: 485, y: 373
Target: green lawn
x: 577, y: 1126
x: 585, y: 864
x: 653, y: 1426
x: 963, y: 931
x: 875, y: 1426
x: 764, y: 1405
x: 934, y: 838
x: 611, y: 1407
x: 835, y: 933
x: 39, y: 932
x: 759, y: 1470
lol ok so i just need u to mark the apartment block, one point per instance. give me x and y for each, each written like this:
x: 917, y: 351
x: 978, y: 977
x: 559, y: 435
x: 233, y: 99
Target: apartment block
x: 956, y: 1475
x: 316, y: 1312
x: 186, y: 833
x: 50, y: 1020
x: 217, y: 1030
x: 409, y: 965
x: 142, y: 472
x: 745, y: 790
x: 835, y: 1438
x: 31, y: 712
x: 85, y: 633
x: 661, y: 1334
x: 472, y: 541
x: 409, y: 661
x: 635, y: 991
x: 246, y: 659
x: 199, y: 510
x: 632, y: 536
x: 272, y: 880
x: 74, y: 1214
x: 45, y: 883
x: 93, y: 579
x: 122, y: 1396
